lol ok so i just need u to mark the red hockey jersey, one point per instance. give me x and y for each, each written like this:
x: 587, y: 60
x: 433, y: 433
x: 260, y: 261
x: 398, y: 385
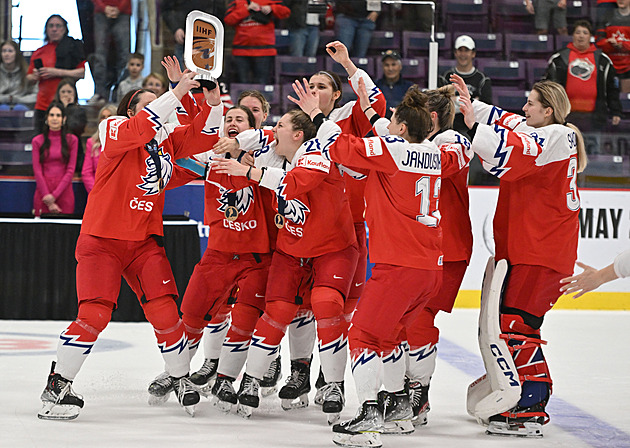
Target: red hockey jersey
x: 457, y: 239
x: 126, y: 202
x: 401, y: 193
x: 536, y: 221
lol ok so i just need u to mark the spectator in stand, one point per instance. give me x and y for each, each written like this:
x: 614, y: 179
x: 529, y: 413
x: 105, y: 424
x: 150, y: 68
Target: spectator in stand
x: 392, y: 84
x: 134, y: 80
x: 111, y: 25
x: 543, y: 10
x: 54, y: 160
x: 604, y: 11
x: 156, y: 83
x: 355, y: 21
x: 16, y: 92
x: 590, y: 80
x: 479, y: 85
x: 174, y: 13
x: 614, y: 39
x: 93, y: 149
x: 61, y: 57
x: 76, y: 118
x: 303, y: 25
x: 254, y: 45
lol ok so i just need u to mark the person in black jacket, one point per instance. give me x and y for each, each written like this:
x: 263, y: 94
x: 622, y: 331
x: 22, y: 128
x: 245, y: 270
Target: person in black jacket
x: 174, y: 13
x: 590, y: 80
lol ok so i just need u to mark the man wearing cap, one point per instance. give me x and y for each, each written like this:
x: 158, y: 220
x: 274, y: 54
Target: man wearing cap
x: 479, y: 85
x: 392, y: 83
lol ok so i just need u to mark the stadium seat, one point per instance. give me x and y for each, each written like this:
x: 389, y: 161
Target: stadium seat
x: 504, y: 73
x: 417, y: 44
x: 577, y: 10
x: 562, y: 41
x: 529, y: 46
x: 383, y: 41
x: 487, y: 45
x: 535, y: 71
x: 289, y: 68
x: 270, y: 91
x: 325, y: 37
x: 16, y: 154
x: 466, y: 16
x: 511, y: 15
x: 607, y: 165
x: 509, y: 99
x: 445, y: 64
x: 282, y: 41
x: 17, y: 120
x: 625, y: 103
x: 366, y: 64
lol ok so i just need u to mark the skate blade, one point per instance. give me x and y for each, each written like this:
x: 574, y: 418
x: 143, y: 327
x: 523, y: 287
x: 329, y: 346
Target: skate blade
x: 190, y: 410
x: 399, y: 427
x: 154, y: 400
x: 527, y: 429
x: 319, y: 398
x: 267, y: 391
x: 244, y: 411
x: 333, y: 418
x: 369, y: 439
x: 419, y: 420
x: 52, y: 411
x: 296, y: 403
x: 220, y: 405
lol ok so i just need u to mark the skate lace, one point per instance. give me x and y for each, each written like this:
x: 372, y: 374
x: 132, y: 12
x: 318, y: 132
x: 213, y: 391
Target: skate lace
x: 250, y: 385
x: 162, y: 380
x: 332, y: 392
x: 271, y: 372
x: 209, y: 366
x: 225, y: 385
x: 296, y: 379
x: 416, y: 392
x: 66, y: 390
x: 182, y: 386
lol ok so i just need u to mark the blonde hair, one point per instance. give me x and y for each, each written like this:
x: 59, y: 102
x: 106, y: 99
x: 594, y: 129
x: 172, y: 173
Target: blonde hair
x: 551, y: 94
x: 96, y: 141
x: 441, y: 102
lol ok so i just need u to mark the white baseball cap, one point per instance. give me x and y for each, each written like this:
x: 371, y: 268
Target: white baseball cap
x: 465, y: 41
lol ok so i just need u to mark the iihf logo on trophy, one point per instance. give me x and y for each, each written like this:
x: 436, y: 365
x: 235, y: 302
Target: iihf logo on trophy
x: 203, y: 44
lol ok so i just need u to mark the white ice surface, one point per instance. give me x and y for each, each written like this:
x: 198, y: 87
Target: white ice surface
x: 587, y: 354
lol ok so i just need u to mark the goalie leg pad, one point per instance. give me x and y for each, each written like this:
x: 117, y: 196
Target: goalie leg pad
x: 501, y: 370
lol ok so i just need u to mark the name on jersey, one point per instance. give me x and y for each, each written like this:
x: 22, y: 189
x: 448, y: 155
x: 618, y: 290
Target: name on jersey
x: 423, y: 160
x: 240, y: 226
x: 135, y: 204
x: 316, y: 163
x: 297, y: 231
x: 373, y: 146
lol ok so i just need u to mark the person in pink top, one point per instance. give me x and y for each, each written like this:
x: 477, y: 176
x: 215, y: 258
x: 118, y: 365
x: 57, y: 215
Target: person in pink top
x: 54, y: 160
x: 93, y: 150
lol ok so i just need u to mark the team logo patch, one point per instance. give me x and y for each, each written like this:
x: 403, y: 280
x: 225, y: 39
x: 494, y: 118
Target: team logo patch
x: 373, y: 146
x: 244, y: 199
x: 582, y: 68
x: 113, y: 128
x: 150, y: 182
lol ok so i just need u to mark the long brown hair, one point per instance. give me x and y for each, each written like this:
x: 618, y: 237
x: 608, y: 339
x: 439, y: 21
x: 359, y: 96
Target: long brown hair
x: 413, y: 112
x: 20, y: 62
x: 551, y: 94
x: 44, y: 149
x: 302, y: 122
x: 441, y: 102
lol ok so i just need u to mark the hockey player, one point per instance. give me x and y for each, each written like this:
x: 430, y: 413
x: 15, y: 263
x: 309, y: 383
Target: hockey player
x: 537, y: 158
x: 350, y: 118
x: 401, y: 192
x: 316, y: 248
x: 122, y: 235
x: 591, y: 278
x: 422, y: 334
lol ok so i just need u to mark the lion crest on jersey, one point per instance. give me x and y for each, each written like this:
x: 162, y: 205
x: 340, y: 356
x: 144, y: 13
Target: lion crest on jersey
x: 296, y: 211
x: 150, y: 180
x: 244, y: 198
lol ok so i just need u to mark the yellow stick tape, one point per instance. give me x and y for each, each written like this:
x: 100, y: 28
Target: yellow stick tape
x: 589, y: 301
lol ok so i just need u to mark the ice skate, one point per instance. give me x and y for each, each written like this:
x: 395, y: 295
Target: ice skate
x: 397, y: 412
x: 160, y: 389
x: 519, y: 422
x: 419, y: 398
x: 59, y: 401
x: 363, y: 430
x: 269, y: 382
x: 321, y: 382
x: 186, y: 394
x: 333, y: 401
x: 204, y: 378
x: 248, y: 396
x: 224, y: 395
x: 294, y: 394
